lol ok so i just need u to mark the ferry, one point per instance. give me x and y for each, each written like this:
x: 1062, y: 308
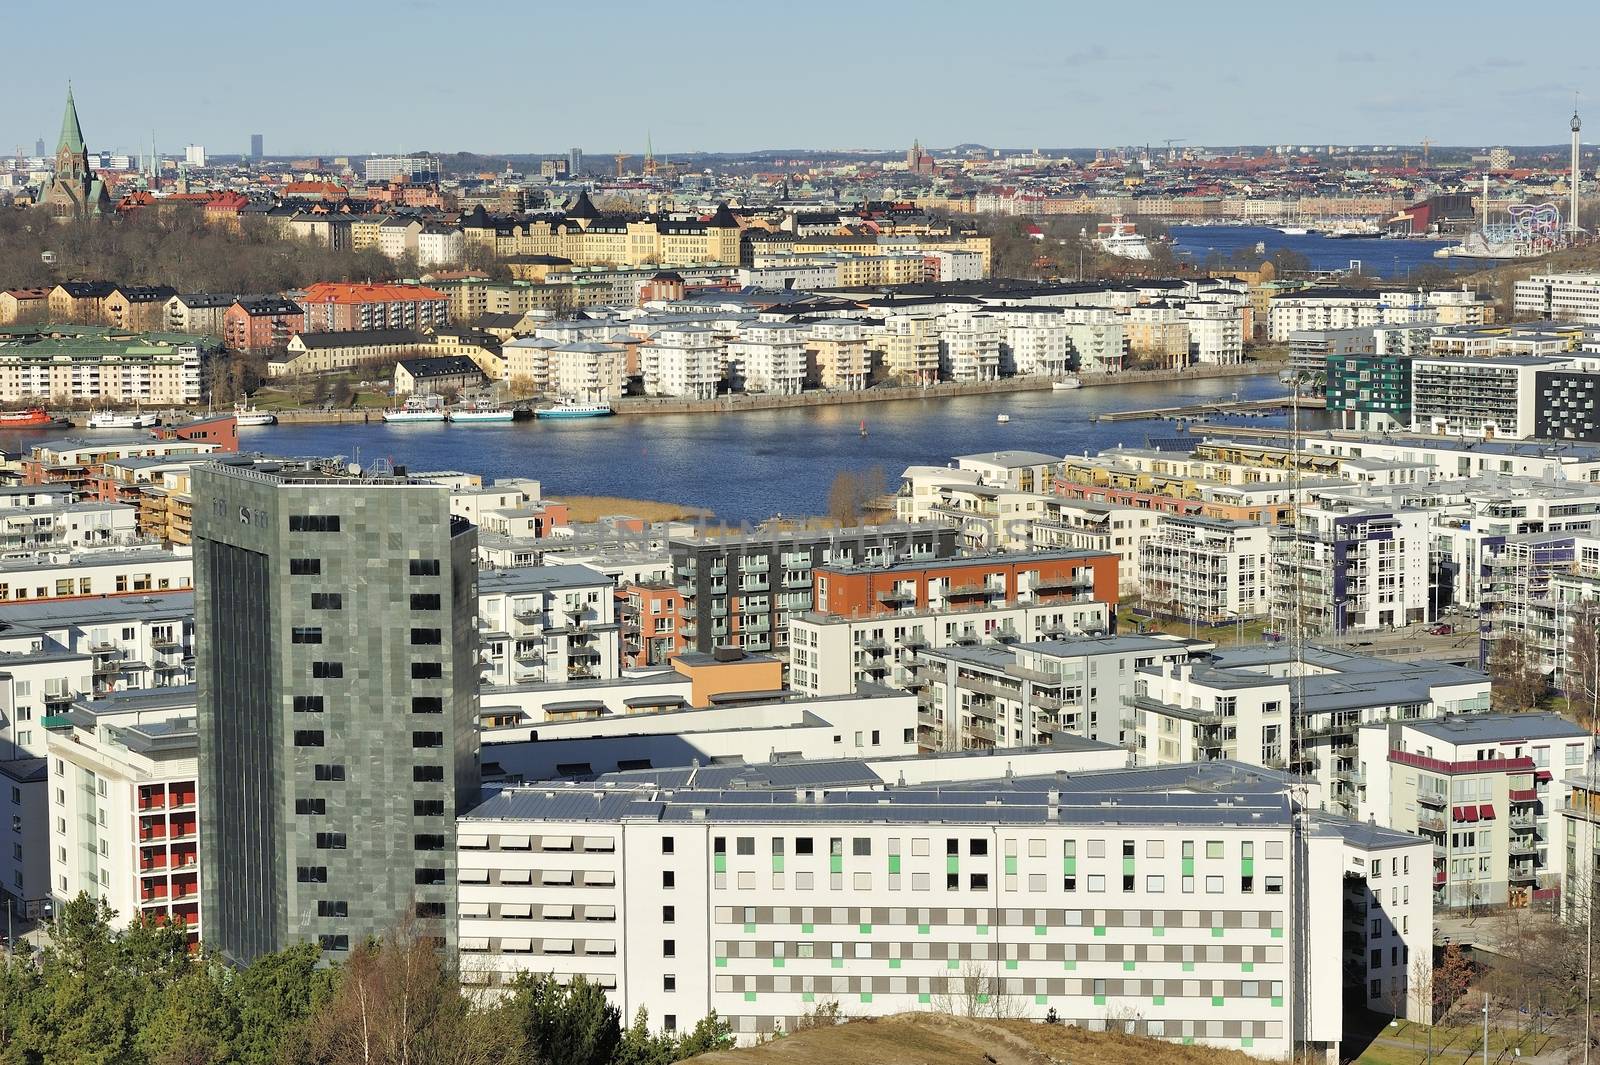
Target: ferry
x: 479, y: 414
x: 569, y: 408
x: 32, y: 418
x: 110, y: 419
x: 1066, y: 384
x: 415, y: 410
x: 245, y: 414
x: 1121, y: 239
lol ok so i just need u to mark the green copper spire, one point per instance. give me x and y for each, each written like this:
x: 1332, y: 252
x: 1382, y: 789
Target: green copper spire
x: 71, y: 132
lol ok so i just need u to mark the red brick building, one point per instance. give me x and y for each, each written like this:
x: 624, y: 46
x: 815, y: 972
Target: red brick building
x: 984, y: 580
x: 264, y: 324
x: 651, y: 634
x: 338, y: 307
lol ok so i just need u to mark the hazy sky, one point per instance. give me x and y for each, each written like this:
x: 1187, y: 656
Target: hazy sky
x: 504, y: 76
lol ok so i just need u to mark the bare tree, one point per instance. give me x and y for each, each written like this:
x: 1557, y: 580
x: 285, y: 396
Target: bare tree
x: 1519, y: 680
x: 1581, y: 681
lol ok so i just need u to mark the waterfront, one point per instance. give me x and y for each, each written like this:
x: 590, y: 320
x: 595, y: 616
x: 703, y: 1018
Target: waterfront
x: 750, y: 465
x: 1391, y: 259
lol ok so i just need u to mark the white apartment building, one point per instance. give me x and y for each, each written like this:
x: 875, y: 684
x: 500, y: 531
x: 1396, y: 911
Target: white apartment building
x: 1486, y: 790
x: 67, y: 526
x: 1173, y: 902
x: 969, y: 347
x: 1244, y: 704
x: 1210, y: 570
x: 1571, y: 297
x: 69, y: 372
x: 910, y: 347
x: 1335, y: 308
x: 1095, y: 339
x: 440, y: 245
x: 528, y: 361
x: 124, y: 820
x: 1489, y: 397
x: 843, y: 357
x: 1216, y: 333
x: 595, y: 373
x: 1020, y: 694
x: 1035, y: 344
x: 1453, y: 458
x: 954, y: 264
x: 684, y: 363
x: 1344, y: 567
x: 834, y: 655
x: 25, y: 835
x: 1083, y: 525
x: 104, y: 571
x: 543, y: 624
x: 769, y: 357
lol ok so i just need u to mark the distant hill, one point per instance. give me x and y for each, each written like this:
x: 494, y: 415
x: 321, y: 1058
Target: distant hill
x: 940, y: 1039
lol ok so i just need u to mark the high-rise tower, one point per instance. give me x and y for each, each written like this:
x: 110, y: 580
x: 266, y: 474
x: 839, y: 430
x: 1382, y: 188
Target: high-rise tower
x: 338, y: 676
x: 1577, y: 174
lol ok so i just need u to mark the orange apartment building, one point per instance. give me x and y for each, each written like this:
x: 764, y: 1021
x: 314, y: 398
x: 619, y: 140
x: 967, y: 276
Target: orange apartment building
x: 337, y: 307
x: 965, y: 583
x: 651, y: 632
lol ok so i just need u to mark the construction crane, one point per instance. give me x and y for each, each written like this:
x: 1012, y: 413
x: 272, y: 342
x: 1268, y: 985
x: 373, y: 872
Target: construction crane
x: 622, y: 157
x: 1169, y: 142
x: 1426, y: 144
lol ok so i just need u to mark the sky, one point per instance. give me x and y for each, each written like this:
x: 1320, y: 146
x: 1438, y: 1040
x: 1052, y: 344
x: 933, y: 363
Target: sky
x: 498, y: 76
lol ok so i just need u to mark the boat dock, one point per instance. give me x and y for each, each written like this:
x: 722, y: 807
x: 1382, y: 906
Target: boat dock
x: 1201, y: 411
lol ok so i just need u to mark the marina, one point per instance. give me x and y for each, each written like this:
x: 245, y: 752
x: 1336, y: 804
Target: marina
x: 1199, y: 412
x: 1385, y: 257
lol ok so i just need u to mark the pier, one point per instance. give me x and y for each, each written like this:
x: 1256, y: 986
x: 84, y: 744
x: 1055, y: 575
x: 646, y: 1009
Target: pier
x: 1203, y: 411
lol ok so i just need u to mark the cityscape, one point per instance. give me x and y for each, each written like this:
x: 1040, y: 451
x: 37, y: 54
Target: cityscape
x: 514, y: 596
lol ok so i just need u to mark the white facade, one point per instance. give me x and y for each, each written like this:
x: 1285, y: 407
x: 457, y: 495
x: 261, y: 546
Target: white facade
x: 1212, y: 571
x: 1036, y: 348
x: 683, y: 363
x: 969, y: 347
x: 591, y: 372
x: 1488, y: 397
x: 1096, y: 339
x: 544, y: 624
x: 1216, y: 334
x: 770, y: 357
x: 1573, y: 297
x: 1344, y: 567
x: 439, y: 245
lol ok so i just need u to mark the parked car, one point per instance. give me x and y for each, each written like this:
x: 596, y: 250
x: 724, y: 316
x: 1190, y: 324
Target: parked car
x: 1442, y: 629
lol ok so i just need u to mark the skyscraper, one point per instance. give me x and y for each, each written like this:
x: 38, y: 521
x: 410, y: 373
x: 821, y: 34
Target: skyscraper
x: 255, y: 145
x: 574, y: 162
x: 335, y: 628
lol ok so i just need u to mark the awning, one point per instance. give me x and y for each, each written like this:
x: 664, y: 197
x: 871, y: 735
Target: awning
x: 557, y: 876
x: 473, y: 876
x: 516, y: 946
x: 599, y: 913
x: 1471, y: 812
x: 516, y: 876
x: 515, y: 843
x: 555, y: 843
x: 475, y: 943
x: 1543, y: 776
x: 599, y: 843
x: 1486, y: 812
x: 472, y: 841
x: 516, y: 909
x: 599, y: 946
x: 600, y: 878
x: 556, y: 911
x: 473, y: 909
x: 558, y: 946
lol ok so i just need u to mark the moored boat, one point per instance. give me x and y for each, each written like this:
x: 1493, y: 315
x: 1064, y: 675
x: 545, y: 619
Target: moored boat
x: 31, y: 418
x: 245, y: 414
x: 1065, y: 384
x: 568, y: 408
x: 111, y: 419
x: 478, y: 414
x: 415, y: 410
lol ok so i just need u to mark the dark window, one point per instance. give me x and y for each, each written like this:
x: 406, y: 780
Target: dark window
x: 427, y: 704
x: 952, y: 881
x: 978, y: 847
x: 428, y: 841
x: 667, y: 845
x: 327, y: 670
x: 952, y: 847
x: 311, y: 806
x: 426, y: 670
x: 423, y: 774
x: 327, y: 601
x: 308, y: 704
x: 429, y: 875
x: 425, y: 638
x: 330, y: 841
x: 312, y: 874
x: 427, y: 739
x: 427, y: 910
x: 332, y: 908
x: 669, y: 914
x: 669, y: 879
x: 305, y: 567
x: 427, y: 807
x: 669, y: 948
x: 424, y: 600
x: 1127, y: 882
x: 314, y: 523
x: 803, y: 845
x: 307, y: 737
x: 979, y: 881
x: 719, y: 845
x: 330, y: 772
x: 334, y: 942
x: 424, y: 567
x: 305, y: 634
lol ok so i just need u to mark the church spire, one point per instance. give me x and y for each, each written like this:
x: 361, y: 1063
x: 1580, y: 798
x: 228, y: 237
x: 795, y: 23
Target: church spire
x: 71, y: 132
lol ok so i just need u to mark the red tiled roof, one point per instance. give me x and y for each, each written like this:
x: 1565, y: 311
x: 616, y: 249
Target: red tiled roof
x: 339, y: 292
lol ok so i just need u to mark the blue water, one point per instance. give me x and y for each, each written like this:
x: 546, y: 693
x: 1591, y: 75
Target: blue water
x: 749, y: 466
x: 1393, y: 259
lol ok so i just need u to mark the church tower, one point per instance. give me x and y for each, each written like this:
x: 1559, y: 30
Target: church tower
x: 75, y: 191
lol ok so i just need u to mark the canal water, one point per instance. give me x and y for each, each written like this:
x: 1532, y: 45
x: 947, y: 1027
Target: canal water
x: 749, y: 466
x: 1390, y: 259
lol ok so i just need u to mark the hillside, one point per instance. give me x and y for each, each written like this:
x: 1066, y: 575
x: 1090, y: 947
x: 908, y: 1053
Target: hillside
x: 940, y: 1039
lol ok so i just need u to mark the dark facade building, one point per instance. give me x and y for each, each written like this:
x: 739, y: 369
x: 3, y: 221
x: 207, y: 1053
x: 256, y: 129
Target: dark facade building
x: 742, y: 591
x: 1565, y: 405
x: 338, y: 676
x: 1370, y: 391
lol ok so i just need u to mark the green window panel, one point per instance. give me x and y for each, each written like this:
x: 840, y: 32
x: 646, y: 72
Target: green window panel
x: 894, y: 863
x: 1127, y: 966
x: 1011, y: 865
x: 749, y: 927
x: 719, y: 863
x: 1040, y: 1000
x: 1247, y: 967
x: 1247, y: 867
x: 1099, y: 929
x: 1069, y: 866
x: 983, y: 999
x: 922, y: 929
x: 838, y: 963
x: 808, y: 996
x: 1038, y: 930
x: 924, y: 998
x: 865, y: 929
x: 777, y: 863
x: 1069, y: 965
x: 1188, y: 966
x: 1216, y: 1000
x: 1188, y: 867
x: 749, y: 996
x: 808, y: 928
x: 836, y: 863
x: 1158, y: 931
x: 952, y: 864
x: 1216, y: 933
x: 722, y: 963
x: 1127, y: 867
x: 1158, y: 1000
x: 1246, y: 1041
x: 1099, y: 1000
x: 1188, y: 1040
x: 777, y: 963
x: 894, y: 963
x: 1277, y: 933
x: 1011, y: 963
x: 866, y: 996
x: 952, y: 964
x: 983, y: 929
x: 1277, y: 1001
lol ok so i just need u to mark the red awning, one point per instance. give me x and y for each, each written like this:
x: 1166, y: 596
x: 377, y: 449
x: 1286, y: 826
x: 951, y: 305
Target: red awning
x: 1458, y: 813
x: 1486, y: 812
x: 1471, y: 812
x: 1543, y: 776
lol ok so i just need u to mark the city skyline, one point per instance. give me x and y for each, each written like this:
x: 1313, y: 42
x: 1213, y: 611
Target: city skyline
x: 1099, y: 85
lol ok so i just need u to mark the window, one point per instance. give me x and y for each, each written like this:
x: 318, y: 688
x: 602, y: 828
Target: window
x: 426, y: 670
x: 424, y: 567
x: 308, y: 704
x: 332, y: 908
x: 425, y: 638
x: 1214, y: 885
x: 669, y: 879
x: 669, y: 982
x: 669, y: 914
x: 427, y: 739
x: 1214, y: 848
x: 305, y: 567
x: 978, y: 881
x: 1155, y: 883
x: 330, y: 841
x: 430, y: 910
x: 305, y: 634
x: 427, y: 704
x: 803, y: 845
x: 1274, y: 885
x: 327, y: 670
x: 327, y: 601
x: 334, y: 942
x: 1097, y: 882
x: 424, y: 600
x: 428, y: 841
x: 428, y: 875
x: 426, y: 774
x: 314, y: 523
x: 861, y: 847
x: 667, y: 846
x: 306, y: 737
x: 311, y: 806
x: 745, y: 845
x: 311, y: 874
x: 427, y: 807
x: 669, y: 948
x: 330, y: 772
x: 978, y: 847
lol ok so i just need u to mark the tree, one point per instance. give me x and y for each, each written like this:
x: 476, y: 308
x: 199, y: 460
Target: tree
x: 563, y: 1024
x: 709, y: 1033
x: 1581, y: 680
x: 844, y: 498
x: 1518, y: 678
x: 276, y: 997
x: 1451, y: 978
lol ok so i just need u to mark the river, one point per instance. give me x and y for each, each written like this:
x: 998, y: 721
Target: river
x: 749, y: 466
x: 1393, y: 259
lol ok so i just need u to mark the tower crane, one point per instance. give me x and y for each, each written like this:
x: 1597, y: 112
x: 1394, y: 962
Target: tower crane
x: 1169, y: 142
x: 1426, y: 144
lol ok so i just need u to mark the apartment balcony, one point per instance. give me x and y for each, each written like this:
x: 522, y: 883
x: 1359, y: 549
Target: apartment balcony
x: 1430, y: 823
x: 1428, y: 799
x: 1522, y: 848
x: 1522, y: 873
x: 797, y: 581
x: 875, y: 647
x: 898, y: 598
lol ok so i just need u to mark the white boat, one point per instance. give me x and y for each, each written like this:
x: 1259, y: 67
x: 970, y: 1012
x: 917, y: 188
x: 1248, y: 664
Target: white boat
x: 110, y: 419
x: 416, y: 410
x: 245, y: 414
x: 478, y: 414
x: 1121, y: 239
x: 570, y: 408
x: 1002, y: 418
x: 1066, y: 384
x: 1293, y: 231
